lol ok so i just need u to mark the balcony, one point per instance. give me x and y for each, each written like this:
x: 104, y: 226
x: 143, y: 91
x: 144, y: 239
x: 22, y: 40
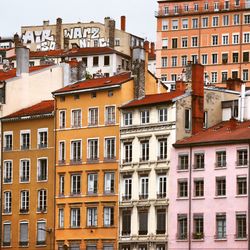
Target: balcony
x: 161, y: 195
x: 76, y: 161
x: 143, y: 232
x: 41, y: 243
x: 143, y: 196
x: 24, y: 210
x: 24, y: 179
x: 42, y: 209
x: 126, y: 197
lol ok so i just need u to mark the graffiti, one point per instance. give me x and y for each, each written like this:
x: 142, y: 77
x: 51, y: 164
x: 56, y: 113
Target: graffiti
x: 43, y: 39
x: 85, y: 37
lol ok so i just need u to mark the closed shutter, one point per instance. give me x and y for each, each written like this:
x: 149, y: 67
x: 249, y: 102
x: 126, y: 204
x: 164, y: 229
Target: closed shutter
x: 24, y: 232
x: 41, y: 233
x: 6, y: 233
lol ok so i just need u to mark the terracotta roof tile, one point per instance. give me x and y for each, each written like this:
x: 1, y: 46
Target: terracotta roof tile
x: 41, y: 108
x: 154, y: 99
x: 12, y: 73
x: 97, y: 83
x: 221, y: 132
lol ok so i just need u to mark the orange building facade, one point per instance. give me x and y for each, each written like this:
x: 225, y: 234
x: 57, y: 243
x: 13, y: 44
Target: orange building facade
x: 214, y: 33
x: 28, y: 178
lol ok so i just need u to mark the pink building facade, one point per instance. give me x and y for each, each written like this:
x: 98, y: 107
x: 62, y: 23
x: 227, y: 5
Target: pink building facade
x: 208, y: 201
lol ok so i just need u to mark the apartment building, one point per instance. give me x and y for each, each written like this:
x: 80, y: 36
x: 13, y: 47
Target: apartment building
x: 209, y: 173
x: 27, y: 186
x: 213, y: 33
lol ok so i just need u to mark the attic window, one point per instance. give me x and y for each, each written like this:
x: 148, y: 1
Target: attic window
x: 93, y: 95
x: 62, y: 98
x: 76, y: 97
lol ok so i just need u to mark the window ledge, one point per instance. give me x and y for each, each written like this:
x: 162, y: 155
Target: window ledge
x: 182, y: 170
x: 220, y: 197
x: 198, y: 240
x: 198, y: 169
x: 220, y: 168
x: 223, y: 239
x: 241, y: 239
x: 182, y: 198
x: 241, y: 196
x: 198, y: 198
x: 242, y: 166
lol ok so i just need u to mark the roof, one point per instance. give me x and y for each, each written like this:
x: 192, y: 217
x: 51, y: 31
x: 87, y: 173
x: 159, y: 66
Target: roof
x: 225, y: 132
x: 154, y: 99
x: 96, y: 83
x: 42, y: 108
x: 5, y: 75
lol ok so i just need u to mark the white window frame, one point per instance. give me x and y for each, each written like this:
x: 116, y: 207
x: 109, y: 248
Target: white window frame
x: 71, y: 149
x: 39, y: 170
x: 76, y: 118
x: 7, y: 171
x: 42, y: 200
x: 22, y: 132
x: 93, y: 119
x: 110, y: 118
x: 21, y: 174
x: 42, y: 143
x: 62, y: 120
x: 6, y: 145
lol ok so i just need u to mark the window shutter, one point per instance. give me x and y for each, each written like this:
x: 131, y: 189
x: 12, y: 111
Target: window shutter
x: 24, y: 232
x: 41, y: 233
x: 6, y: 231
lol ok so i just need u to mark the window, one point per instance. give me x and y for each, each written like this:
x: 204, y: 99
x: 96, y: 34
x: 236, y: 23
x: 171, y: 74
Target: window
x: 76, y: 118
x: 75, y: 152
x: 206, y: 6
x: 93, y: 116
x: 7, y: 202
x: 143, y: 222
x: 242, y: 157
x: 234, y: 74
x: 109, y: 148
x: 7, y: 172
x: 235, y: 57
x: 246, y: 38
x: 161, y: 221
x: 41, y: 233
x: 164, y: 25
x: 176, y: 9
x: 164, y: 62
x: 226, y: 5
x: 143, y: 187
x: 204, y: 22
x: 215, y: 40
x: 174, y: 24
x: 184, y: 42
x: 174, y: 61
x: 173, y: 77
x: 106, y: 60
x: 214, y: 58
x: 204, y: 59
x: 42, y: 138
x: 182, y: 188
x: 194, y: 41
x: 61, y: 185
x: 199, y: 188
x: 162, y: 114
x: 42, y: 170
x: 221, y: 160
x: 93, y: 149
x: 224, y: 76
x: 174, y: 43
x: 144, y: 116
x: 8, y: 143
x: 42, y: 200
x: 109, y: 182
x: 245, y: 74
x: 92, y: 217
x: 162, y: 147
x: 164, y: 77
x: 184, y: 60
x: 237, y: 2
x: 24, y: 206
x: 215, y: 21
x: 216, y: 6
x: 144, y: 150
x: 224, y: 58
x: 214, y: 77
x: 245, y: 56
x: 61, y: 152
x: 6, y: 234
x: 198, y: 226
x: 236, y: 19
x: 23, y: 236
x: 184, y: 23
x: 127, y: 188
x: 61, y: 218
x: 75, y: 217
x: 165, y: 43
x: 24, y: 170
x: 205, y: 119
x: 85, y: 61
x: 195, y: 23
x: 225, y: 39
x: 241, y: 226
x: 182, y: 227
x: 162, y: 186
x: 75, y: 184
x: 117, y: 42
x: 196, y: 7
x: 95, y: 60
x: 220, y: 186
x: 235, y: 38
x: 221, y: 226
x: 226, y: 20
x: 126, y: 222
x: 183, y: 162
x: 92, y: 183
x: 187, y: 119
x: 128, y: 152
x: 62, y: 115
x: 247, y: 19
x: 127, y: 118
x: 110, y: 115
x: 186, y: 7
x: 25, y: 140
x: 241, y: 185
x: 108, y: 218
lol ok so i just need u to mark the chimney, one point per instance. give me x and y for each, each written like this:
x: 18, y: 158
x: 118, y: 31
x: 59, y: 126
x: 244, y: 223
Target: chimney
x: 17, y: 40
x: 22, y: 60
x: 180, y: 85
x: 197, y: 97
x: 152, y: 48
x: 123, y: 23
x: 232, y: 123
x: 58, y: 33
x: 110, y: 31
x: 46, y: 23
x: 234, y: 84
x: 138, y: 70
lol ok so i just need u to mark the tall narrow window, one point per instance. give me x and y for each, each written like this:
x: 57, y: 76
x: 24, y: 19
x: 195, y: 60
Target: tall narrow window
x: 24, y: 170
x: 127, y: 188
x: 23, y: 236
x: 42, y: 200
x: 110, y: 115
x: 162, y: 186
x: 62, y: 118
x: 75, y: 217
x: 143, y: 222
x: 25, y: 200
x: 144, y: 187
x: 198, y: 226
x: 241, y: 226
x: 92, y: 183
x: 161, y: 221
x: 144, y: 116
x: 42, y: 170
x: 127, y: 152
x: 61, y: 218
x: 126, y: 222
x: 7, y: 172
x: 199, y: 161
x: 220, y: 186
x: 182, y: 227
x: 109, y: 182
x: 8, y: 141
x: 144, y: 150
x: 75, y: 152
x: 7, y: 202
x: 162, y: 144
x: 7, y: 234
x: 61, y: 185
x: 93, y: 116
x: 127, y: 118
x: 25, y: 140
x: 187, y: 119
x: 162, y: 114
x: 221, y: 160
x: 220, y: 226
x: 109, y: 148
x: 62, y: 152
x: 75, y: 184
x: 41, y: 233
x: 42, y: 138
x: 92, y: 149
x: 242, y: 157
x: 108, y: 218
x: 76, y: 118
x: 91, y: 216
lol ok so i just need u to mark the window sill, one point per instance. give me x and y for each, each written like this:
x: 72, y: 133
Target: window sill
x: 220, y: 168
x: 182, y: 198
x: 222, y: 239
x: 198, y: 198
x: 180, y: 240
x: 220, y: 197
x: 241, y: 196
x: 198, y: 169
x: 198, y: 240
x: 240, y: 239
x: 242, y: 166
x: 182, y: 170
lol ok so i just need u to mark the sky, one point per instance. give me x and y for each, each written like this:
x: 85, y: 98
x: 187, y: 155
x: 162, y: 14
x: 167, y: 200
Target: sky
x: 140, y: 19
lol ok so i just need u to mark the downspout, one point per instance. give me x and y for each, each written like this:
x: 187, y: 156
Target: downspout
x: 190, y: 199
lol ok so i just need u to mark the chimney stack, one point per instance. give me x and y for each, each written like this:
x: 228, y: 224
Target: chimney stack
x: 180, y: 86
x: 232, y: 123
x: 58, y: 33
x: 22, y: 60
x: 234, y: 84
x: 123, y: 23
x: 152, y: 48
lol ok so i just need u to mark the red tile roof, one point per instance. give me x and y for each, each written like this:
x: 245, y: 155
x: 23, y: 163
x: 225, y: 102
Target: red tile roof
x: 97, y: 83
x: 12, y: 73
x: 219, y: 134
x: 154, y: 99
x: 44, y: 107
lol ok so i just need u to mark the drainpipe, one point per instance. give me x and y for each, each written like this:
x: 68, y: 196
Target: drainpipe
x: 190, y: 199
